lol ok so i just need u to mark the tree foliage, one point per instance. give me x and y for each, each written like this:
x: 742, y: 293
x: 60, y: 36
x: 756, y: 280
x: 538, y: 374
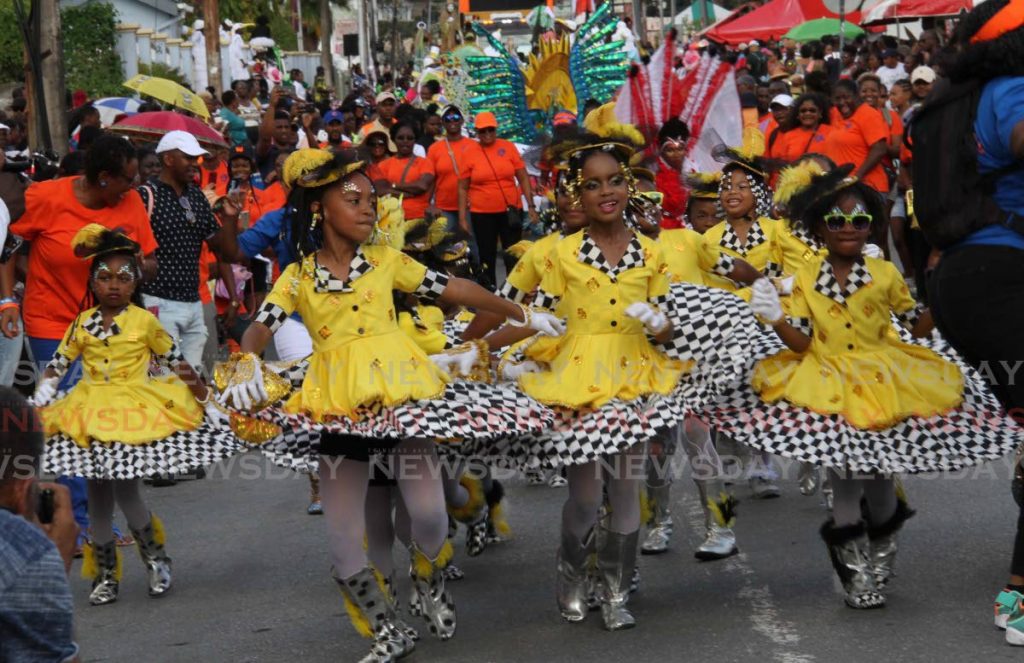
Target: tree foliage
x: 91, y: 62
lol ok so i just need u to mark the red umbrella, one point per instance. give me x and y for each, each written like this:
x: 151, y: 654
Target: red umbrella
x: 152, y: 126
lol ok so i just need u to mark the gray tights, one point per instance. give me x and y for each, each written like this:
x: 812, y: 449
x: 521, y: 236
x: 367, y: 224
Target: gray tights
x: 877, y: 491
x: 103, y: 495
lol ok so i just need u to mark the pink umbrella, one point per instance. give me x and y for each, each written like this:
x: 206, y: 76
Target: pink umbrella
x: 152, y: 127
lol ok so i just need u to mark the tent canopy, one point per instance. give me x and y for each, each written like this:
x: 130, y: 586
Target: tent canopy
x: 694, y: 13
x: 890, y: 11
x: 772, y: 20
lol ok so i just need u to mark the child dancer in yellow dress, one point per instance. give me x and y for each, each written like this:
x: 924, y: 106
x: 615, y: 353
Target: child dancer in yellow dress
x: 371, y: 390
x: 117, y: 424
x: 848, y: 394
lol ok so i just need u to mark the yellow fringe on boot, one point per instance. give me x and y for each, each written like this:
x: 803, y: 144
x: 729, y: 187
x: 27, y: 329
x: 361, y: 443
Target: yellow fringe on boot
x: 91, y: 568
x: 723, y: 511
x: 501, y: 526
x: 646, y: 507
x: 159, y: 534
x: 359, y: 620
x: 424, y: 567
x: 470, y: 511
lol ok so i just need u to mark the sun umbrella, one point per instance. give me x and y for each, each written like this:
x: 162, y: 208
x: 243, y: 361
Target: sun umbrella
x: 111, y: 107
x: 152, y: 127
x: 168, y: 92
x: 822, y: 27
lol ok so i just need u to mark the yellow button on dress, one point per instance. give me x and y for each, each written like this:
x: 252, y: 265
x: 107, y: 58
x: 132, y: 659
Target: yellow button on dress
x: 604, y: 354
x: 360, y: 355
x: 116, y: 400
x: 854, y: 366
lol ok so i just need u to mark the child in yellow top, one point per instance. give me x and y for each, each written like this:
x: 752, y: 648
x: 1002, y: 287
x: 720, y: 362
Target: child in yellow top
x: 367, y: 380
x: 118, y: 424
x: 849, y: 395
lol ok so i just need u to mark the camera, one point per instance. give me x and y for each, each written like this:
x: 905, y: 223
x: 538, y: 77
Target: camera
x: 44, y: 510
x: 11, y: 246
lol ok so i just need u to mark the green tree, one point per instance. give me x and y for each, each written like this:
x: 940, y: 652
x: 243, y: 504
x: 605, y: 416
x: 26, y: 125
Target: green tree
x: 91, y: 61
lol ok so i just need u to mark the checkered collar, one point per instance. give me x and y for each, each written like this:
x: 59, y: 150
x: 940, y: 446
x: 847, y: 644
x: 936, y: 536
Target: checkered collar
x: 730, y: 240
x: 590, y: 254
x: 828, y: 285
x: 327, y: 282
x: 807, y: 238
x: 94, y: 325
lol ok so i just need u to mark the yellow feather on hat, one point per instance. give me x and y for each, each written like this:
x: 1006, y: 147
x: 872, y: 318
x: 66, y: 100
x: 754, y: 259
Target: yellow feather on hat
x: 795, y: 179
x: 391, y: 226
x: 602, y: 121
x: 519, y: 249
x: 87, y: 239
x: 753, y: 144
x: 302, y: 162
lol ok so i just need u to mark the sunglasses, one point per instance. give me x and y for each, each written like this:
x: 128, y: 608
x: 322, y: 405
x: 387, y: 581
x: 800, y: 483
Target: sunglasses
x: 487, y: 130
x: 454, y: 117
x: 835, y: 221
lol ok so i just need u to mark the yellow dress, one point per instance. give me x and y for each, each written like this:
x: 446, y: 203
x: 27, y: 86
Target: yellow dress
x: 425, y: 326
x: 116, y: 400
x: 361, y: 356
x: 854, y: 367
x: 690, y: 259
x: 604, y: 354
x: 761, y: 249
x: 796, y: 248
x: 530, y: 269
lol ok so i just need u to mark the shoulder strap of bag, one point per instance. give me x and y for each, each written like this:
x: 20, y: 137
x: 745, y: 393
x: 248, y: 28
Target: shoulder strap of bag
x: 407, y: 167
x: 496, y: 178
x: 451, y: 155
x: 150, y: 196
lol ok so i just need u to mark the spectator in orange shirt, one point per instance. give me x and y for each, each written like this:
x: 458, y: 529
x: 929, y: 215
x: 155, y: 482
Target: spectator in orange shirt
x: 448, y: 158
x: 859, y: 136
x: 275, y: 195
x: 253, y: 202
x: 488, y: 193
x: 778, y: 126
x: 874, y: 95
x: 808, y: 117
x: 377, y: 150
x: 406, y: 174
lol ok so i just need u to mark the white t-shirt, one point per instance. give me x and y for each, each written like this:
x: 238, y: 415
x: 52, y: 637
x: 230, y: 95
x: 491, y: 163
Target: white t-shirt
x: 890, y: 75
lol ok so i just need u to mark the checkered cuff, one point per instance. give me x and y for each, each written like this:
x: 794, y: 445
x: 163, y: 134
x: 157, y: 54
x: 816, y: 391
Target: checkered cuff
x: 432, y: 287
x: 910, y: 317
x: 773, y: 270
x: 545, y: 300
x: 802, y: 325
x: 59, y: 364
x: 512, y: 293
x: 271, y: 315
x: 724, y: 266
x: 171, y: 357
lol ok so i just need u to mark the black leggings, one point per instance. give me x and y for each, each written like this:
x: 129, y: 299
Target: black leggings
x: 977, y: 299
x: 488, y: 229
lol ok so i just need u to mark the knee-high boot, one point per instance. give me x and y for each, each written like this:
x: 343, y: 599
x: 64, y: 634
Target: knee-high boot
x: 616, y: 560
x: 883, y: 544
x: 150, y: 541
x: 848, y: 550
x: 435, y: 604
x: 719, y: 519
x: 572, y: 583
x: 371, y: 609
x: 101, y: 563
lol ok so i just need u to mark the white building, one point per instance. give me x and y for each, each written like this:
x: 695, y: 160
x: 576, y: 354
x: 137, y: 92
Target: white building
x: 162, y: 16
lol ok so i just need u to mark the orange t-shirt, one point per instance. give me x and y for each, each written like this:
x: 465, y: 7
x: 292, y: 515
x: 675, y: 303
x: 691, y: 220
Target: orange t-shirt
x: 206, y: 256
x: 851, y: 140
x: 57, y: 280
x: 414, y: 207
x: 795, y: 143
x: 446, y: 182
x: 218, y: 177
x: 895, y: 132
x: 489, y: 194
x: 274, y: 197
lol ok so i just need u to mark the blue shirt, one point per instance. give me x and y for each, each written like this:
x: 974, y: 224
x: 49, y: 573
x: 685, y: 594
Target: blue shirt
x: 1000, y: 108
x: 35, y: 599
x: 273, y: 230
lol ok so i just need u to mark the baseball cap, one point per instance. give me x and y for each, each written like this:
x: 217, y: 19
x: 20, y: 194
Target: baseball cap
x: 890, y: 53
x: 485, y: 120
x: 563, y: 118
x: 923, y: 73
x: 385, y: 96
x: 743, y: 46
x: 240, y: 152
x: 783, y: 100
x: 182, y: 141
x: 754, y: 43
x: 333, y: 116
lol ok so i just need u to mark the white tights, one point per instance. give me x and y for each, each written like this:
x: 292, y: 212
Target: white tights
x: 103, y: 494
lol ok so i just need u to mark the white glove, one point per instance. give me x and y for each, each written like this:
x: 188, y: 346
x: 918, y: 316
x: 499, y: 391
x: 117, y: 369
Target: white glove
x: 654, y: 320
x: 873, y: 251
x: 512, y: 370
x: 216, y: 415
x: 764, y: 300
x: 785, y: 285
x: 45, y: 391
x: 541, y: 322
x: 244, y: 394
x: 457, y: 363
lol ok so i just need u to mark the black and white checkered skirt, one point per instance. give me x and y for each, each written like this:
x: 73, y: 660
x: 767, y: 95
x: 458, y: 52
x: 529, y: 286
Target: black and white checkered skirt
x: 179, y: 453
x: 975, y: 432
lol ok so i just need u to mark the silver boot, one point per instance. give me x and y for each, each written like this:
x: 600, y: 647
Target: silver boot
x: 433, y: 602
x: 572, y: 581
x: 659, y: 527
x: 848, y: 550
x: 372, y: 611
x: 107, y: 573
x: 150, y: 541
x: 616, y: 559
x: 719, y: 519
x: 809, y: 479
x: 883, y: 544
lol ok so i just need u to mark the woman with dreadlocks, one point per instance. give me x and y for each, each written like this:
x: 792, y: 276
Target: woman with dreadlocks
x: 117, y: 424
x: 850, y: 394
x: 370, y: 390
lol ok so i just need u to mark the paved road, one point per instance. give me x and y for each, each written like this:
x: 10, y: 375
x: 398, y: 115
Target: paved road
x: 252, y: 584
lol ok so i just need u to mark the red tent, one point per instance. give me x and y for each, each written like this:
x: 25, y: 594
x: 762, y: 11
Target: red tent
x: 772, y: 20
x: 893, y: 10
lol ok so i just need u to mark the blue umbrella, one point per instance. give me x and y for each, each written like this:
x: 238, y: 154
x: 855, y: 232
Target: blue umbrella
x: 112, y: 107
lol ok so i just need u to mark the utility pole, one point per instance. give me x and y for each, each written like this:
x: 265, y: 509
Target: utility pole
x: 394, y: 40
x: 40, y: 29
x: 212, y: 33
x: 326, y: 30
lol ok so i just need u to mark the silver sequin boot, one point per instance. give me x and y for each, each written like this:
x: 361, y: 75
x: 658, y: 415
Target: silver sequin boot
x: 848, y: 550
x: 883, y: 544
x: 572, y: 582
x: 102, y: 565
x: 434, y: 603
x: 150, y: 541
x: 371, y: 608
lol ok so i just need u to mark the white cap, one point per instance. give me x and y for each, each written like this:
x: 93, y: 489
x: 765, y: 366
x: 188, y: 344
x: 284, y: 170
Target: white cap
x: 198, y: 24
x: 755, y: 43
x: 783, y: 100
x: 923, y: 73
x: 742, y: 46
x: 182, y: 141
